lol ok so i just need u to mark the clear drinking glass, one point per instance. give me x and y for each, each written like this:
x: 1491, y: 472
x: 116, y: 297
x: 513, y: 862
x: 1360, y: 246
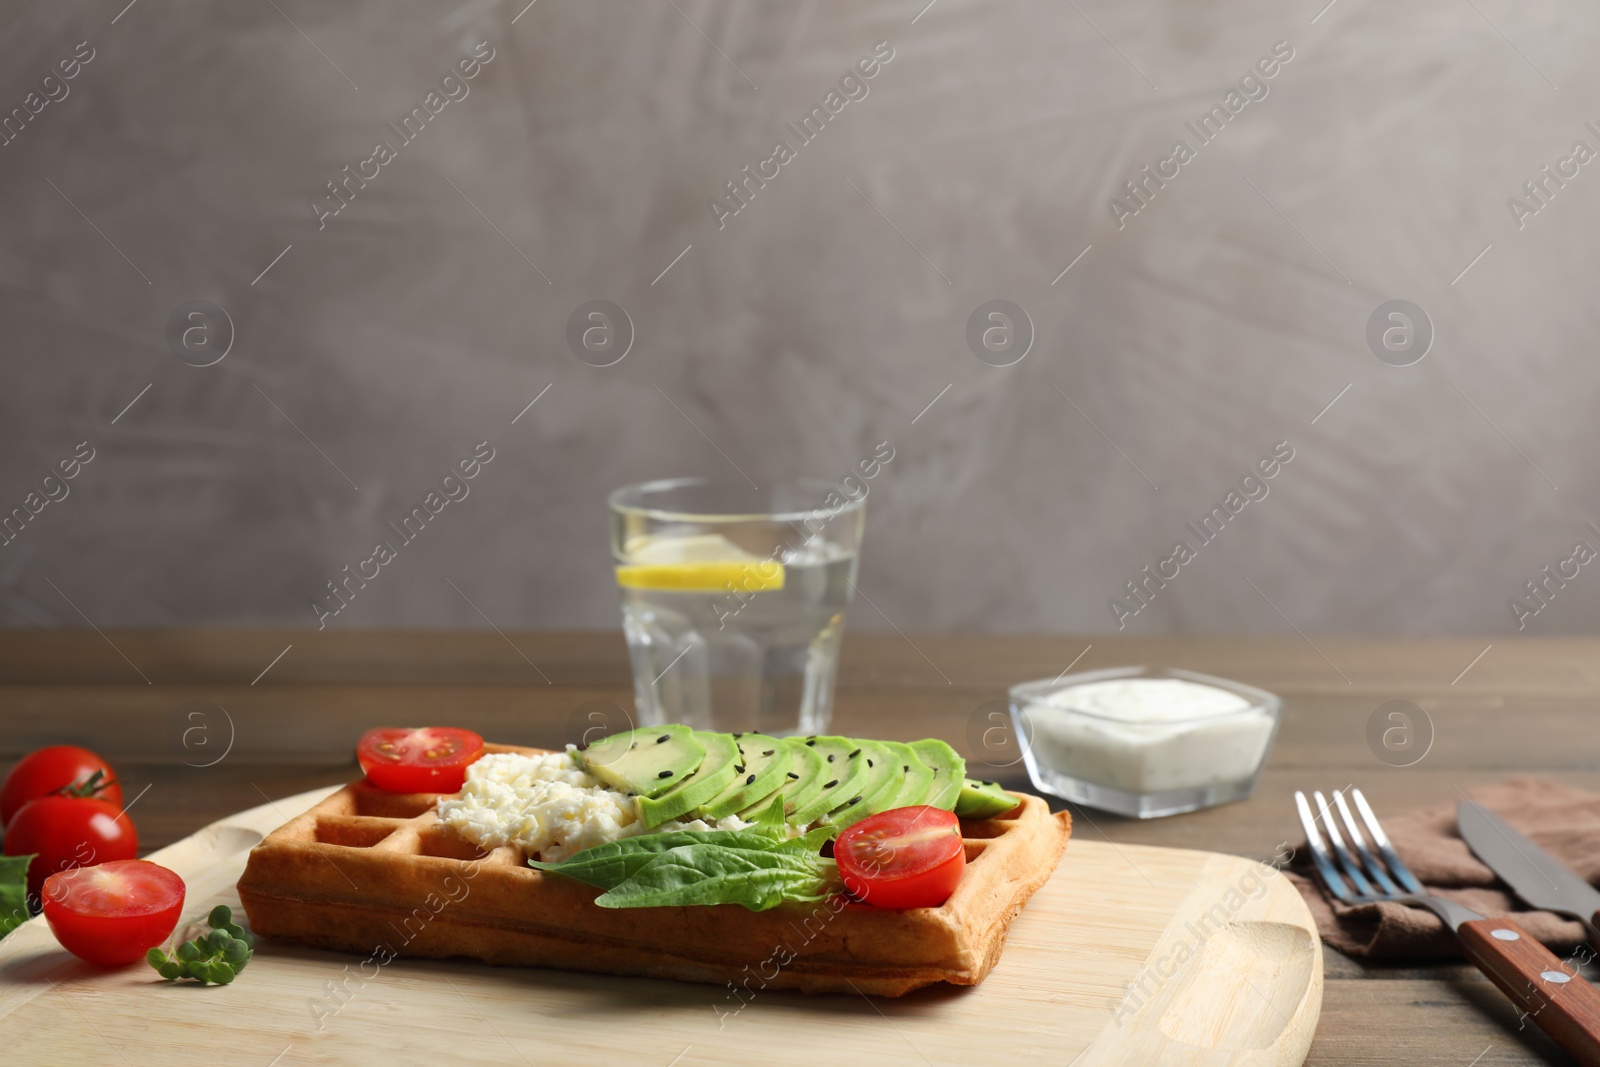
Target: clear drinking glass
x: 733, y: 599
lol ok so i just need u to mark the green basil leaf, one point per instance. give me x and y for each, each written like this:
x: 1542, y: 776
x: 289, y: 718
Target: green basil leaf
x: 705, y: 873
x: 810, y: 842
x: 769, y: 820
x: 13, y: 892
x: 615, y: 862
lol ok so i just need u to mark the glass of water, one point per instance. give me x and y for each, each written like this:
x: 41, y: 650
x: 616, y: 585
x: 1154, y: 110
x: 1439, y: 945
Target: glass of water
x: 733, y: 599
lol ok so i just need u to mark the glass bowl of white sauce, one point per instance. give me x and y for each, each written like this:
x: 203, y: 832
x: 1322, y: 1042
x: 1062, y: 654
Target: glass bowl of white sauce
x: 1144, y: 741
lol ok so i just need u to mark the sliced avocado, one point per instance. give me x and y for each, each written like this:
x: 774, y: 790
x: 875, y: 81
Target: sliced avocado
x: 918, y: 776
x: 983, y: 800
x: 949, y: 772
x: 878, y: 789
x: 645, y: 762
x: 803, y: 780
x: 841, y: 778
x: 761, y: 771
x: 714, y: 775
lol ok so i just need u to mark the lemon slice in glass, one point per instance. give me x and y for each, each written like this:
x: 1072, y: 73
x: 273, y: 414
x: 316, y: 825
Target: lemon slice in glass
x: 708, y: 563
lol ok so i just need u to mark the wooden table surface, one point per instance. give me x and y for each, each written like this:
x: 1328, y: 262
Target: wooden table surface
x: 205, y: 723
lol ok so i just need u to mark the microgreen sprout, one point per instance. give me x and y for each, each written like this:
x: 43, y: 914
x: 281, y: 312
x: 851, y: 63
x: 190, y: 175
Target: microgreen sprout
x: 213, y: 958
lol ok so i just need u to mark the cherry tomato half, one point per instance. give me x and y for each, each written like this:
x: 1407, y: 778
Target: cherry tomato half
x: 113, y: 913
x: 66, y: 832
x: 49, y: 770
x: 902, y: 858
x: 432, y: 759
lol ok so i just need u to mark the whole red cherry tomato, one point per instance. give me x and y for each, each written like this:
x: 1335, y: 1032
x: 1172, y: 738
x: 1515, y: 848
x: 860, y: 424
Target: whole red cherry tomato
x: 65, y: 832
x: 49, y: 770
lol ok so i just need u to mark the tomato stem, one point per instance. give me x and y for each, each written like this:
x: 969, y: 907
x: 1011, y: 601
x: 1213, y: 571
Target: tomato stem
x: 91, y: 786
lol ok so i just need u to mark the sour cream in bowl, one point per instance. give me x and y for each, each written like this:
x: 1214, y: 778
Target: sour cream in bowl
x: 1142, y: 741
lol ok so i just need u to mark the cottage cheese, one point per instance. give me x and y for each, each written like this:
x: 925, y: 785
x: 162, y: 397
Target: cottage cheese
x: 549, y: 807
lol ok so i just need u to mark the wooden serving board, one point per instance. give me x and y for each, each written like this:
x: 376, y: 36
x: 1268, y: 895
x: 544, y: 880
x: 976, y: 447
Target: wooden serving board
x: 1220, y: 953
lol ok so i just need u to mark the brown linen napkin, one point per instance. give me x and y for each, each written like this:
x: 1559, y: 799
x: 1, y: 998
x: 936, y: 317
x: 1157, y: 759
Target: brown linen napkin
x: 1563, y: 820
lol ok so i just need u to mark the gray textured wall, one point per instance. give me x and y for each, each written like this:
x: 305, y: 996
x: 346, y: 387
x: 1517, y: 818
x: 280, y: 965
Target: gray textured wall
x: 1192, y: 336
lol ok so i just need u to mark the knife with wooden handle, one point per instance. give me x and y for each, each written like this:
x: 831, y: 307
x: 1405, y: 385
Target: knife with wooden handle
x: 1549, y: 990
x: 1536, y: 876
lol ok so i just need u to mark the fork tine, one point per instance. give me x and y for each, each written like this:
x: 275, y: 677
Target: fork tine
x: 1347, y: 862
x: 1381, y: 839
x: 1374, y: 868
x: 1319, y: 851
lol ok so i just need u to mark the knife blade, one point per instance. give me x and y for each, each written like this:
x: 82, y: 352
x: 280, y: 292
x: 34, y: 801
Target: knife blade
x: 1538, y: 877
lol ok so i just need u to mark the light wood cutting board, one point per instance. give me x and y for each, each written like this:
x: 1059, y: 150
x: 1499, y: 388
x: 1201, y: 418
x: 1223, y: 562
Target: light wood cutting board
x: 1220, y: 953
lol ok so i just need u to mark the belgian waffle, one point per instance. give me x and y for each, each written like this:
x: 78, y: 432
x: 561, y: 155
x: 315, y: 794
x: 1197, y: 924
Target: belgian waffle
x: 376, y: 873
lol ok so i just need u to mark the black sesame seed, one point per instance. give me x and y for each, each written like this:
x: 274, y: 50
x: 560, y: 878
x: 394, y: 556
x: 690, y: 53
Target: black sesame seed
x: 769, y: 752
x: 737, y: 736
x: 663, y: 737
x: 812, y: 741
x: 750, y: 780
x: 739, y: 768
x: 793, y: 775
x: 854, y: 754
x: 869, y: 763
x: 664, y: 774
x: 908, y: 768
x: 852, y: 801
x: 831, y: 784
x: 830, y: 757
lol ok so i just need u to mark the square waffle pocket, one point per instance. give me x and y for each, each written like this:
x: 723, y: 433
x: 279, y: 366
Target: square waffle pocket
x: 377, y: 874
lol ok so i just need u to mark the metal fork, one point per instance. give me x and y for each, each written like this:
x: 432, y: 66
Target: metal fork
x: 1551, y: 993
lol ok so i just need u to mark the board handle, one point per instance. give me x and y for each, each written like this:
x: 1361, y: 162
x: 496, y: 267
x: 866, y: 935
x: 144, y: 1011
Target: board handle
x: 1550, y: 993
